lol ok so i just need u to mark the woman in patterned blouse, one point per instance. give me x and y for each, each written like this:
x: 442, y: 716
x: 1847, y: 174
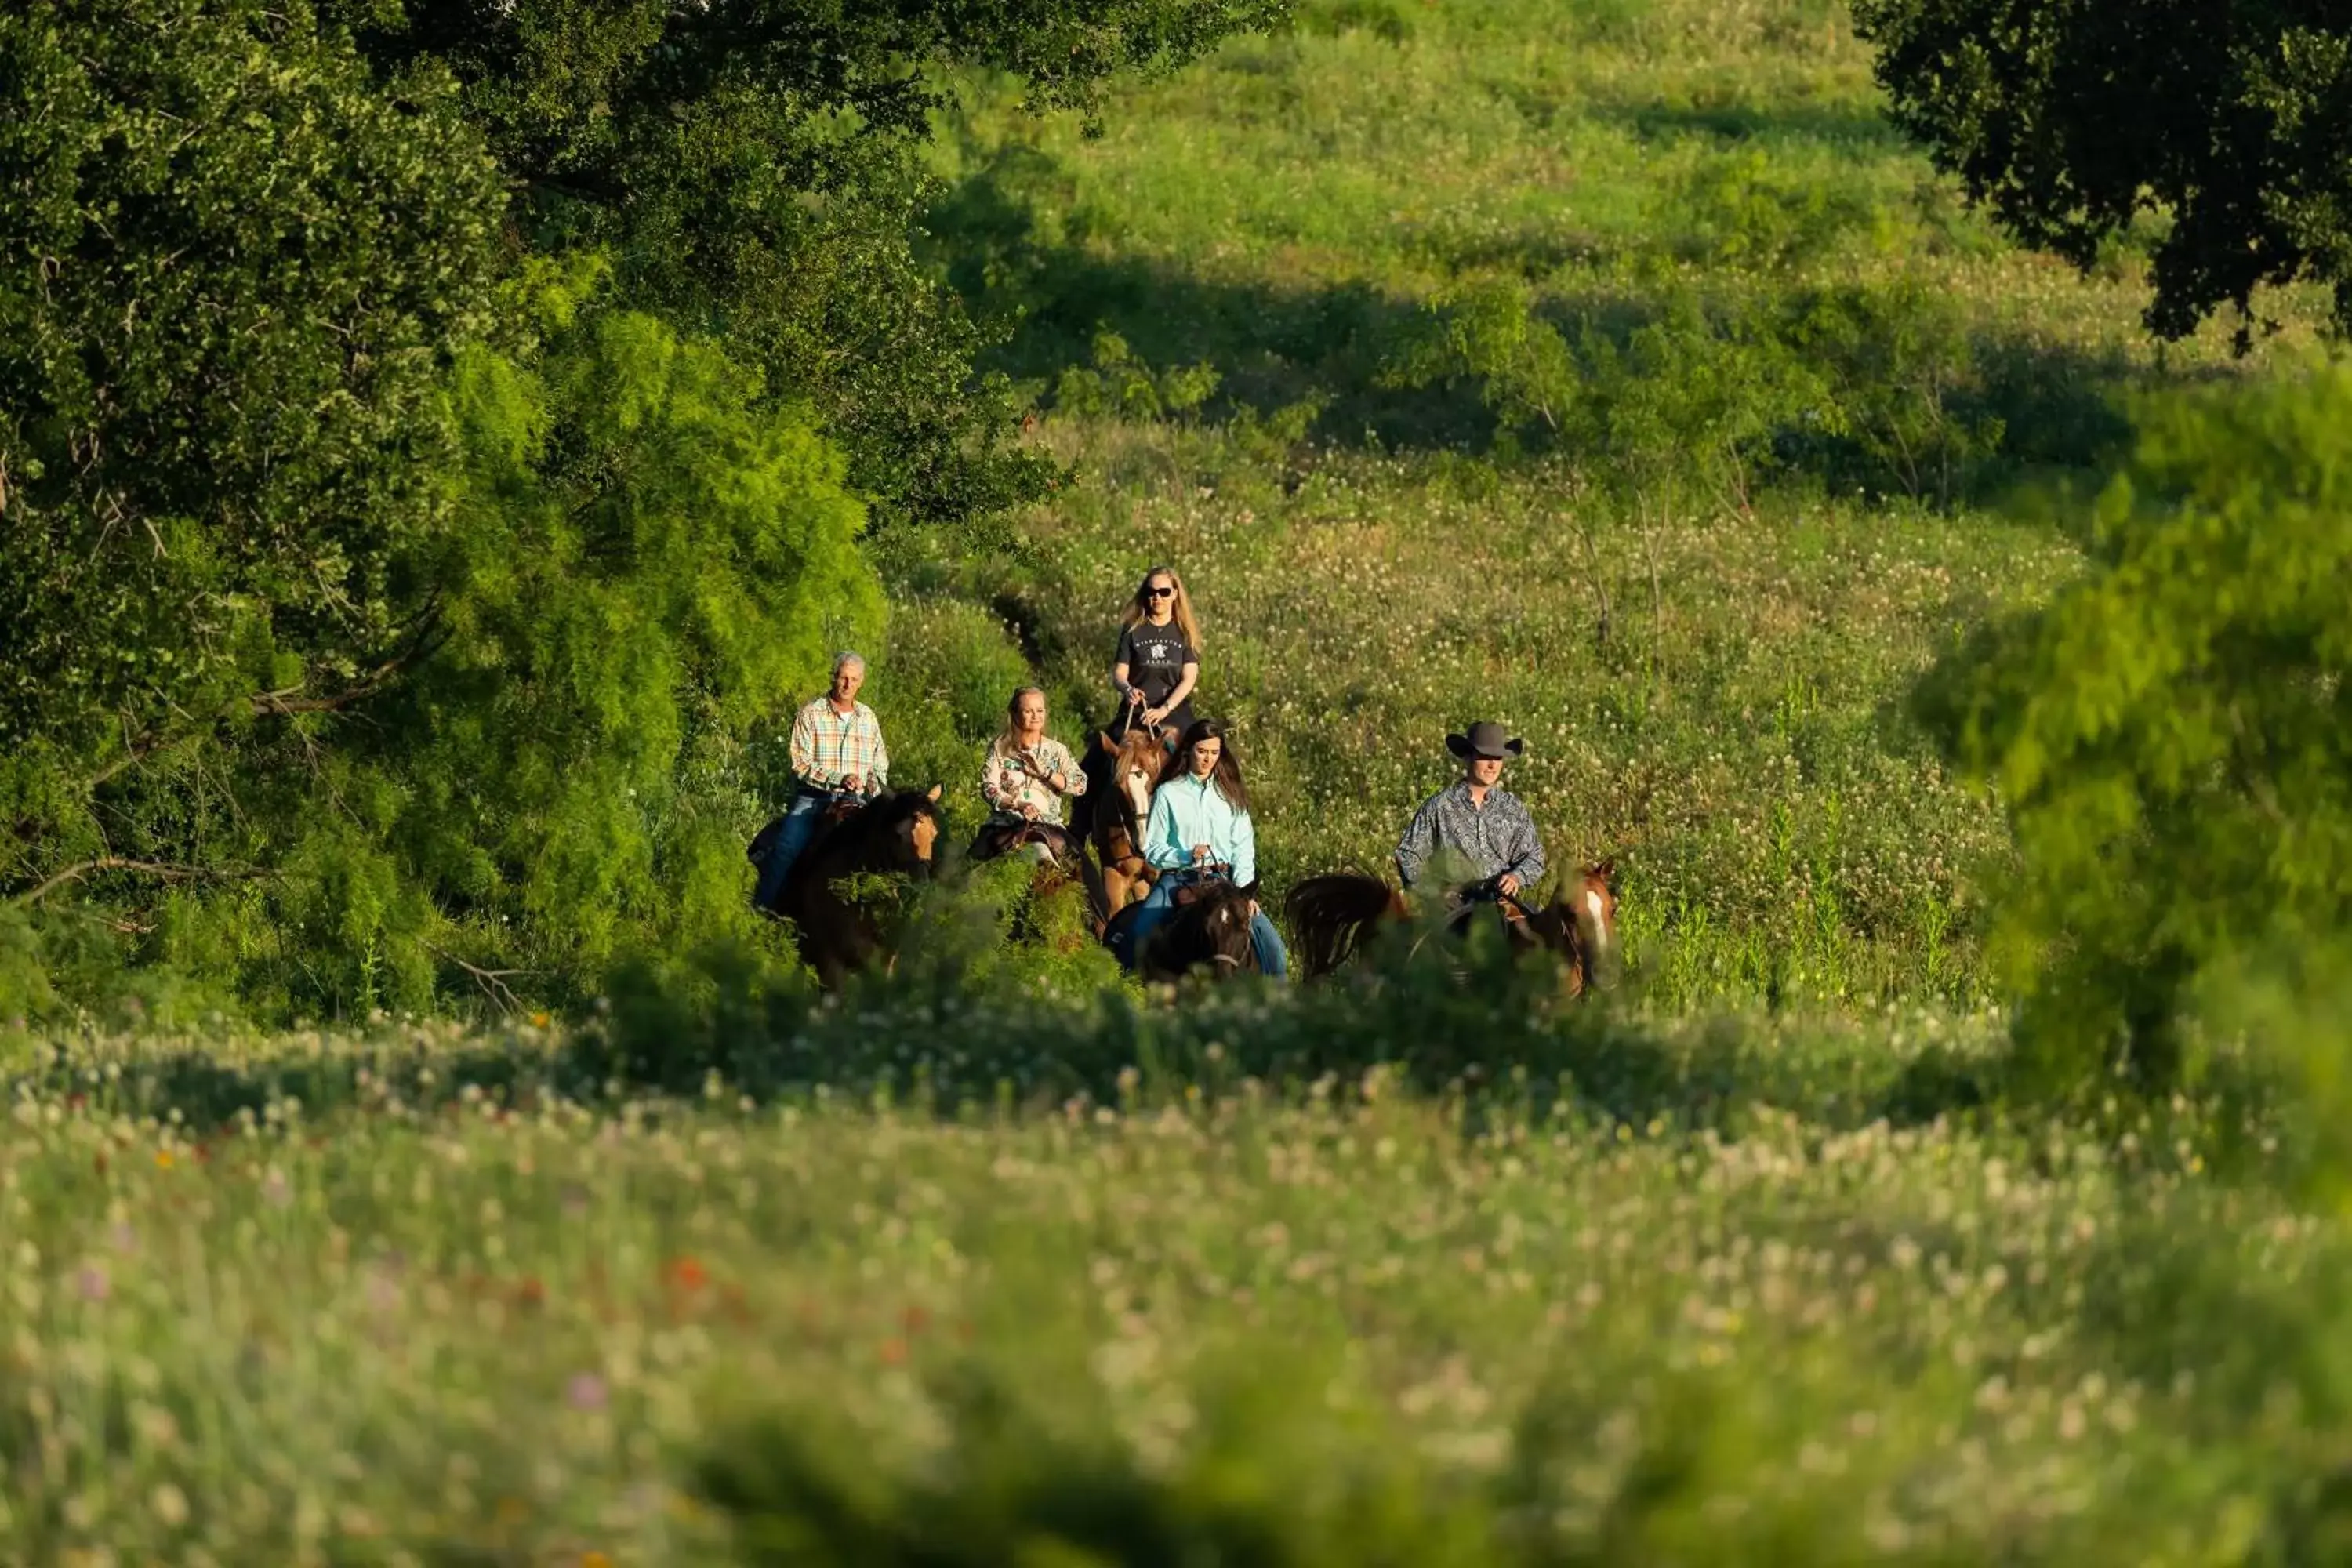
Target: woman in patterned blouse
x: 1028, y: 774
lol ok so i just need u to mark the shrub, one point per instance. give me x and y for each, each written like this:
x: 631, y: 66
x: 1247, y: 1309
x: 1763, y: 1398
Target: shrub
x: 2172, y: 736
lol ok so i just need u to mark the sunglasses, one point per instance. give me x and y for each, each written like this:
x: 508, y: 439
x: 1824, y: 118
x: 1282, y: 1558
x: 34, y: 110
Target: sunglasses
x: 1160, y: 593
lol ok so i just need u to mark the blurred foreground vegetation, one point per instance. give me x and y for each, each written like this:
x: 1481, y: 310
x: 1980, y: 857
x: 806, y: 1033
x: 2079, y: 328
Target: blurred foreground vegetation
x: 1325, y: 1279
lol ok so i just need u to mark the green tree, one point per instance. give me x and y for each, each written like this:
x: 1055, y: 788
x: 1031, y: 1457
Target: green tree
x: 2172, y: 736
x: 754, y: 171
x: 2069, y: 118
x: 231, y: 270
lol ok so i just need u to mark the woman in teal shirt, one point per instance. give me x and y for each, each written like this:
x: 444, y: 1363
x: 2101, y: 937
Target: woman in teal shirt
x: 1200, y: 816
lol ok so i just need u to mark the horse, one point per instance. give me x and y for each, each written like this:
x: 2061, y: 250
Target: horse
x: 1209, y: 926
x: 891, y: 834
x: 1116, y: 816
x: 1332, y: 916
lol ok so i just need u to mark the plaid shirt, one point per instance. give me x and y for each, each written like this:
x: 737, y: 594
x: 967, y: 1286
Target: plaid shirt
x: 1007, y: 786
x: 828, y: 747
x: 1488, y: 841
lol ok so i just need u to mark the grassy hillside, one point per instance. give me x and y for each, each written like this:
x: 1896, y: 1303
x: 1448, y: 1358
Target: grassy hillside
x: 1701, y: 600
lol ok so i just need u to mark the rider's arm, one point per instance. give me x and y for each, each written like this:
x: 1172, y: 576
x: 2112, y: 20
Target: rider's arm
x: 1412, y: 849
x: 988, y: 765
x: 1163, y: 842
x: 1528, y: 863
x: 878, y: 778
x: 1183, y: 687
x: 804, y: 747
x: 1121, y: 666
x: 1245, y: 853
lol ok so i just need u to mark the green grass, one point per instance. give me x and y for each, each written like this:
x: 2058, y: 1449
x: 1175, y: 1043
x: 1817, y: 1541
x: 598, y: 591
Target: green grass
x: 1376, y: 563
x: 999, y: 1263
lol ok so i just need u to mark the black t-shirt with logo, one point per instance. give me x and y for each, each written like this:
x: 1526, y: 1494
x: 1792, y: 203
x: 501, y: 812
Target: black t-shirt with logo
x: 1155, y: 658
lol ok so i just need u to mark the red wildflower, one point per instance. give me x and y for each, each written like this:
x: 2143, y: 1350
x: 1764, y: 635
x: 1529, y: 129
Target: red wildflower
x: 687, y: 1274
x: 531, y: 1294
x: 914, y: 1319
x: 894, y: 1353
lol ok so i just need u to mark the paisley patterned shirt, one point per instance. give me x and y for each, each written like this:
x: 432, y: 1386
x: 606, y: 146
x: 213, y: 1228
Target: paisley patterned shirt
x: 1482, y: 841
x: 1007, y: 786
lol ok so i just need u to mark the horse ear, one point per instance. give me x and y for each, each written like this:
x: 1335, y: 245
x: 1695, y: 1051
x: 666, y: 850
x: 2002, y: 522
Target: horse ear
x: 1104, y: 741
x: 1606, y: 870
x: 934, y: 794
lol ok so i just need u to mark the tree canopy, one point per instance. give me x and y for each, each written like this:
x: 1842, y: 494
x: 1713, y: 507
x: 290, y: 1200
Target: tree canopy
x: 2071, y: 118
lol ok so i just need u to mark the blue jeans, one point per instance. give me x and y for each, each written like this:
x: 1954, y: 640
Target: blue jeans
x: 1273, y: 958
x: 800, y: 826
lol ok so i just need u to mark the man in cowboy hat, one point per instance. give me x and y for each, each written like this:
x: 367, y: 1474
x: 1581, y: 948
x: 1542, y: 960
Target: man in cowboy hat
x: 1483, y: 830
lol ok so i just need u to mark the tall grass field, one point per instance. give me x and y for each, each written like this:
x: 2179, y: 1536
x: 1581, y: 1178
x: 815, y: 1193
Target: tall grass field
x: 1608, y: 368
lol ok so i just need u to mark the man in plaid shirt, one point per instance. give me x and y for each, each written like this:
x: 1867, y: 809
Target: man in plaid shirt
x: 1481, y: 828
x: 836, y: 750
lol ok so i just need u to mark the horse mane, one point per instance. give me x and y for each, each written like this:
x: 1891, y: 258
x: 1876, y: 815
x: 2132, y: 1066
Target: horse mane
x: 1331, y: 915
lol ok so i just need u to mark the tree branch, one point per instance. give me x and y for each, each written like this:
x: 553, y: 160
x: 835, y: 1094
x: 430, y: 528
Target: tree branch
x: 164, y: 870
x: 493, y: 982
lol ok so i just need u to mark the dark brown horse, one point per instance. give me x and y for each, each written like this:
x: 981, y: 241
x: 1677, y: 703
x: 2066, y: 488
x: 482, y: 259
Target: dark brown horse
x: 893, y: 834
x: 1116, y: 815
x: 1332, y: 916
x: 1209, y: 929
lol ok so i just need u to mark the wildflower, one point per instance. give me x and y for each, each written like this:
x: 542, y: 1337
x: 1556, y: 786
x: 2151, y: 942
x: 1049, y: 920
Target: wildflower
x: 163, y: 1159
x: 171, y: 1505
x: 92, y: 1283
x: 585, y: 1392
x: 687, y: 1275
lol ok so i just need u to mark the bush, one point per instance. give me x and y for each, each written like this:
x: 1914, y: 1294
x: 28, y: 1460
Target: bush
x: 2172, y: 736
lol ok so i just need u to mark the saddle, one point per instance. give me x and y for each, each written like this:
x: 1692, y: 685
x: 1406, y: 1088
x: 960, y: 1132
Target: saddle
x: 998, y: 839
x: 1193, y: 889
x: 836, y: 811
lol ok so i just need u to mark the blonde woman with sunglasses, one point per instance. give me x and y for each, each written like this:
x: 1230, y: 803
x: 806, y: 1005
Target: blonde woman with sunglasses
x: 1159, y: 659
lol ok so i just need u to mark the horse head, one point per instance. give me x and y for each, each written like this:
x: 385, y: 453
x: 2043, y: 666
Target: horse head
x: 1135, y: 772
x: 1211, y: 929
x: 901, y: 832
x: 1585, y: 909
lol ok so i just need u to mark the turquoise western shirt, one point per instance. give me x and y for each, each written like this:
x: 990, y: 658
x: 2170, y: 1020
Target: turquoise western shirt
x: 1187, y: 811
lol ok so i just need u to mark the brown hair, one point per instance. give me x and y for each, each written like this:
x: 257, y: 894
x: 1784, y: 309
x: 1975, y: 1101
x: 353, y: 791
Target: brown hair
x: 1139, y: 609
x: 1226, y: 775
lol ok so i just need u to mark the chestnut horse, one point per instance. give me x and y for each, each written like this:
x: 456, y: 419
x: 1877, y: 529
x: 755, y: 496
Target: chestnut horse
x: 1332, y: 916
x: 891, y: 834
x: 1116, y: 816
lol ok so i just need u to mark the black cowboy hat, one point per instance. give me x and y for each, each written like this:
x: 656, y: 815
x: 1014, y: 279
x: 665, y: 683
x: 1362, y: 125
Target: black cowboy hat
x: 1484, y: 739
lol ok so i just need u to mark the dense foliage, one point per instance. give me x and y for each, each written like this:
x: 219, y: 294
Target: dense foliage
x: 2072, y: 118
x: 397, y: 570
x: 2172, y: 736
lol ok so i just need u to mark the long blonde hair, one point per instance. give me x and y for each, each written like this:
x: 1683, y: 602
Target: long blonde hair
x: 1139, y: 610
x: 1008, y: 740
